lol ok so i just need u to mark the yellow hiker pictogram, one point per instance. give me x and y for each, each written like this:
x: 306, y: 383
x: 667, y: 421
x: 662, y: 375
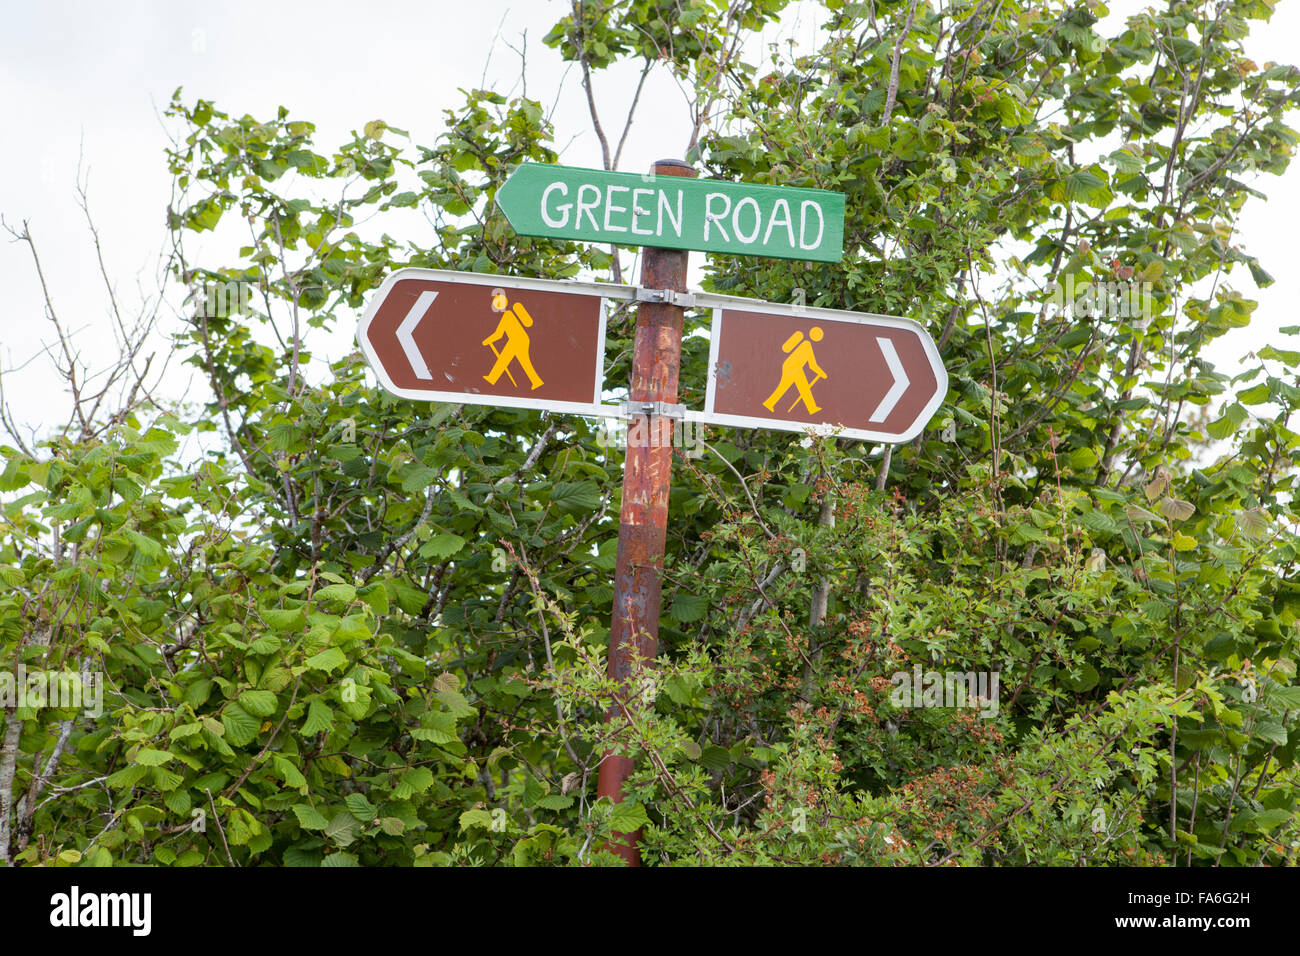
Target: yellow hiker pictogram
x: 513, y: 322
x: 794, y: 372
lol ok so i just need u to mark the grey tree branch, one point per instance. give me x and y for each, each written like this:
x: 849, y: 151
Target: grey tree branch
x: 28, y: 804
x: 822, y: 591
x: 9, y: 756
x: 891, y: 97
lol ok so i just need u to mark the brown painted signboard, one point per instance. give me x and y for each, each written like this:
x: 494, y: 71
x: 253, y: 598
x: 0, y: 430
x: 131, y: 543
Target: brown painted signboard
x: 872, y: 377
x: 445, y: 336
x: 490, y: 340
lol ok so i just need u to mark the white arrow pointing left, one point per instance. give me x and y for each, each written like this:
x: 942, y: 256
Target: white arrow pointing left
x: 407, y: 339
x: 901, y: 381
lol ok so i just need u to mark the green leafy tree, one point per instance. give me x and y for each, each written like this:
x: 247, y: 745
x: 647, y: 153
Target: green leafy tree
x: 358, y: 630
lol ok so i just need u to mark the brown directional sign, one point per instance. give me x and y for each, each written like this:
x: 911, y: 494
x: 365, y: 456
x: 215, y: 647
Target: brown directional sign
x: 534, y: 343
x: 489, y: 340
x: 873, y: 377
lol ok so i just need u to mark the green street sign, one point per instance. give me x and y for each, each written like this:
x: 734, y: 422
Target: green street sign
x: 674, y: 212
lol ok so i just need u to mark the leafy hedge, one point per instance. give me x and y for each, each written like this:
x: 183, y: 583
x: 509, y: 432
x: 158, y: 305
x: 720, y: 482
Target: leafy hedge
x: 369, y: 631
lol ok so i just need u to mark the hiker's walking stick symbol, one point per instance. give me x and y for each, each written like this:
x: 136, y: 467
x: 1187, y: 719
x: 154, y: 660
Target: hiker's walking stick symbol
x: 820, y: 375
x: 498, y: 355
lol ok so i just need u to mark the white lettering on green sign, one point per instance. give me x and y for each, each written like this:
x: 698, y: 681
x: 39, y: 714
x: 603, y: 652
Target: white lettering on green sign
x: 556, y: 212
x: 674, y: 212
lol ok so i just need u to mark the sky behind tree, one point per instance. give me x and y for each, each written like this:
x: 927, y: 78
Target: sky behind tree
x: 84, y: 86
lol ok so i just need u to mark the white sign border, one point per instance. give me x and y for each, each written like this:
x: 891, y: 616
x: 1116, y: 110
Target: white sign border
x: 703, y: 300
x: 720, y: 303
x: 602, y: 290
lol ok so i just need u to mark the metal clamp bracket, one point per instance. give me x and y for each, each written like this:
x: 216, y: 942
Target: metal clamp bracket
x: 685, y: 300
x: 653, y: 409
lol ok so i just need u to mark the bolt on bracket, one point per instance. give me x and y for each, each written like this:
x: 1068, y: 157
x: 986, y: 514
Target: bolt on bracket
x: 685, y: 300
x: 652, y: 409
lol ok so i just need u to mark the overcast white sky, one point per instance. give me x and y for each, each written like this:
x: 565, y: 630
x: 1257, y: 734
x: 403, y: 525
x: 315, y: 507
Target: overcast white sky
x: 92, y: 79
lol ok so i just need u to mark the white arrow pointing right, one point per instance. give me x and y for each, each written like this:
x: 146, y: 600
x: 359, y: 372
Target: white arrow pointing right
x: 901, y: 381
x: 407, y: 340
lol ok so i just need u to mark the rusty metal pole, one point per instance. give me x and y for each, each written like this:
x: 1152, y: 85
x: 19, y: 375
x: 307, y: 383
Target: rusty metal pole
x: 647, y: 469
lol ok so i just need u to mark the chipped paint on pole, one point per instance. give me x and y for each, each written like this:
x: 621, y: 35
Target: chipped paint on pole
x: 643, y: 518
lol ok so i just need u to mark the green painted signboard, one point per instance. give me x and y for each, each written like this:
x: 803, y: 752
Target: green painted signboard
x: 674, y: 212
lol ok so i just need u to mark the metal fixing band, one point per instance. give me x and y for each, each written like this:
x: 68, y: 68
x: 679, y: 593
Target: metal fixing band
x: 685, y: 300
x: 653, y: 409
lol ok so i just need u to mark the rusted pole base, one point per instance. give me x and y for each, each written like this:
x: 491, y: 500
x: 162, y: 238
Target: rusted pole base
x: 643, y: 519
